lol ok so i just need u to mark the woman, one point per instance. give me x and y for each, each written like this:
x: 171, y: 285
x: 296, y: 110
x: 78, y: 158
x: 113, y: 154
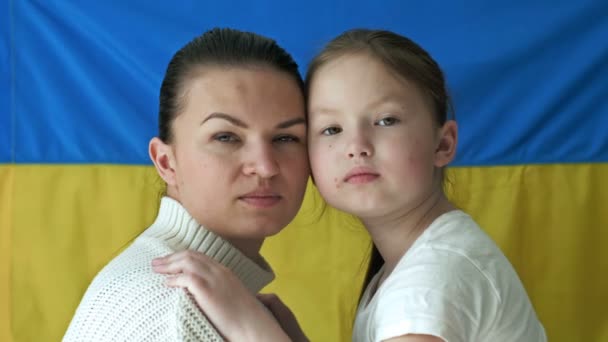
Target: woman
x: 232, y: 150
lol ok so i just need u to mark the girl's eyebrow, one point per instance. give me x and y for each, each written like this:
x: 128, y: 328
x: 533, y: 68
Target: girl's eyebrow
x: 239, y: 123
x: 386, y: 98
x: 390, y: 98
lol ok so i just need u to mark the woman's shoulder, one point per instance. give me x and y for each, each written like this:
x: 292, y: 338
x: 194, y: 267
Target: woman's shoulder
x: 129, y: 275
x: 126, y: 297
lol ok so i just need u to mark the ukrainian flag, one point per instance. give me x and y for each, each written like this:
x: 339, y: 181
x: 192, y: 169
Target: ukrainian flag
x: 79, y: 84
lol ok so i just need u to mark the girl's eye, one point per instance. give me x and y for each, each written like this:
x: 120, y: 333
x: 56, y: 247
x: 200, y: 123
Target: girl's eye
x: 286, y: 139
x: 388, y: 121
x: 226, y: 138
x: 331, y: 130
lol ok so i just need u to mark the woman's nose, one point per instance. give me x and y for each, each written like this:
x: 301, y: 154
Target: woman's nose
x: 262, y: 162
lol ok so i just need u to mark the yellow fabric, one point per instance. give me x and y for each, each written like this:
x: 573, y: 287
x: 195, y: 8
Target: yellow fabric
x: 68, y: 222
x: 6, y: 215
x: 60, y: 224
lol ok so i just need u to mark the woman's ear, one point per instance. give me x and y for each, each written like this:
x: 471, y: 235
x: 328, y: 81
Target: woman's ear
x: 446, y: 144
x: 163, y: 159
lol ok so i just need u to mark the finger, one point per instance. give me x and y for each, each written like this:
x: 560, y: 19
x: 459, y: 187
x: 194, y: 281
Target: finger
x: 190, y: 262
x: 171, y: 257
x: 188, y: 256
x: 170, y: 268
x: 189, y: 266
x: 198, y: 287
x: 183, y: 280
x: 158, y: 261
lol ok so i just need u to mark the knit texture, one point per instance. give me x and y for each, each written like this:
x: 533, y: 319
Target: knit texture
x: 127, y: 301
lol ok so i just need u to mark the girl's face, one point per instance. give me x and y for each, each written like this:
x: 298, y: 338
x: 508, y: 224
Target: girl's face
x: 374, y: 146
x: 238, y: 162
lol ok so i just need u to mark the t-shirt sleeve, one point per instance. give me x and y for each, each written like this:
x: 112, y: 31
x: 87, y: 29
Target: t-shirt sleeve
x: 437, y: 293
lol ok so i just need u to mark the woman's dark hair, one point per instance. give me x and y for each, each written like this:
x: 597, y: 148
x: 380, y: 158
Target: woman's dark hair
x: 218, y: 47
x: 406, y: 60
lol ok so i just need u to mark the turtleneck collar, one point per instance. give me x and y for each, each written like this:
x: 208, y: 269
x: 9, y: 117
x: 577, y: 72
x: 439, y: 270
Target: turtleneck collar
x: 175, y: 226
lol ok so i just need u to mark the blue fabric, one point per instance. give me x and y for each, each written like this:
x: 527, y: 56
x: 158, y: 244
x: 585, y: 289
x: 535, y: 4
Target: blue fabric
x: 5, y: 86
x: 528, y: 80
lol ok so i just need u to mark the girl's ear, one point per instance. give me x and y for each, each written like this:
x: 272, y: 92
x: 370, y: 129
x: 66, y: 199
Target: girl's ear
x: 163, y: 159
x: 446, y: 144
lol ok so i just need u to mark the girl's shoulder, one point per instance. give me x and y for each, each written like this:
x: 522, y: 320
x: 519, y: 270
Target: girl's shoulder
x: 455, y: 237
x: 454, y: 253
x: 455, y: 273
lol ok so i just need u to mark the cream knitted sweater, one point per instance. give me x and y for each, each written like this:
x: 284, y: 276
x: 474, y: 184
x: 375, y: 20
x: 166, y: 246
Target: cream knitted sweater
x: 127, y: 301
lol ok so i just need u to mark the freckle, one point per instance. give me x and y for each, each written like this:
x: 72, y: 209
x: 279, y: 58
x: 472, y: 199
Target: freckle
x: 330, y: 146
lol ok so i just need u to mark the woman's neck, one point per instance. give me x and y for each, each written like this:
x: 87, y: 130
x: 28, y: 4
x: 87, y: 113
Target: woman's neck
x: 394, y: 234
x: 177, y: 228
x: 249, y: 247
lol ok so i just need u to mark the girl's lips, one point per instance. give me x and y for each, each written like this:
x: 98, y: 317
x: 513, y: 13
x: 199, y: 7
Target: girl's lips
x: 361, y: 175
x: 362, y: 178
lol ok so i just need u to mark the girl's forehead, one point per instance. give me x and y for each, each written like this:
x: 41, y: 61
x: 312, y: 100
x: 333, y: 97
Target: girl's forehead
x: 356, y: 76
x: 345, y: 94
x: 348, y: 61
x: 355, y: 72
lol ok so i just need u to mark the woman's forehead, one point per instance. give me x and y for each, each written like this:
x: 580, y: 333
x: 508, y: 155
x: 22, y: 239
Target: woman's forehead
x: 248, y: 95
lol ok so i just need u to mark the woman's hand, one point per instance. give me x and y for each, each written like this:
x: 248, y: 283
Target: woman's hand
x: 222, y: 297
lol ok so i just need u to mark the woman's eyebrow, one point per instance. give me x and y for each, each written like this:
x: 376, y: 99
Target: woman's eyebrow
x: 239, y: 123
x: 292, y: 122
x: 227, y: 117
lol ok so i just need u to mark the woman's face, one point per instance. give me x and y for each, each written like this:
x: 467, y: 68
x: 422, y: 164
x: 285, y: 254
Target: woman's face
x: 238, y: 160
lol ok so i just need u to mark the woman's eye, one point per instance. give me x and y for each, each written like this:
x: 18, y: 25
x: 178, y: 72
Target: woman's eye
x: 286, y: 138
x: 331, y: 130
x: 226, y: 138
x: 389, y: 121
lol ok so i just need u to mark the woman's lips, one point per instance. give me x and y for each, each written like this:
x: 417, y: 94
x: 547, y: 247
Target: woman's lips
x: 261, y: 199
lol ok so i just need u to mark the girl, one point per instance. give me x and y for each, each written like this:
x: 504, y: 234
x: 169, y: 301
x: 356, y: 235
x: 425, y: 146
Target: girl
x: 232, y: 151
x: 379, y: 139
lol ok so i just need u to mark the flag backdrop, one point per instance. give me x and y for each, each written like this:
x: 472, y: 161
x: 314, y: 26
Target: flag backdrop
x: 79, y: 82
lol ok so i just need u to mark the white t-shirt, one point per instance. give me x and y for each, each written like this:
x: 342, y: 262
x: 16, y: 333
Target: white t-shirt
x: 453, y: 283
